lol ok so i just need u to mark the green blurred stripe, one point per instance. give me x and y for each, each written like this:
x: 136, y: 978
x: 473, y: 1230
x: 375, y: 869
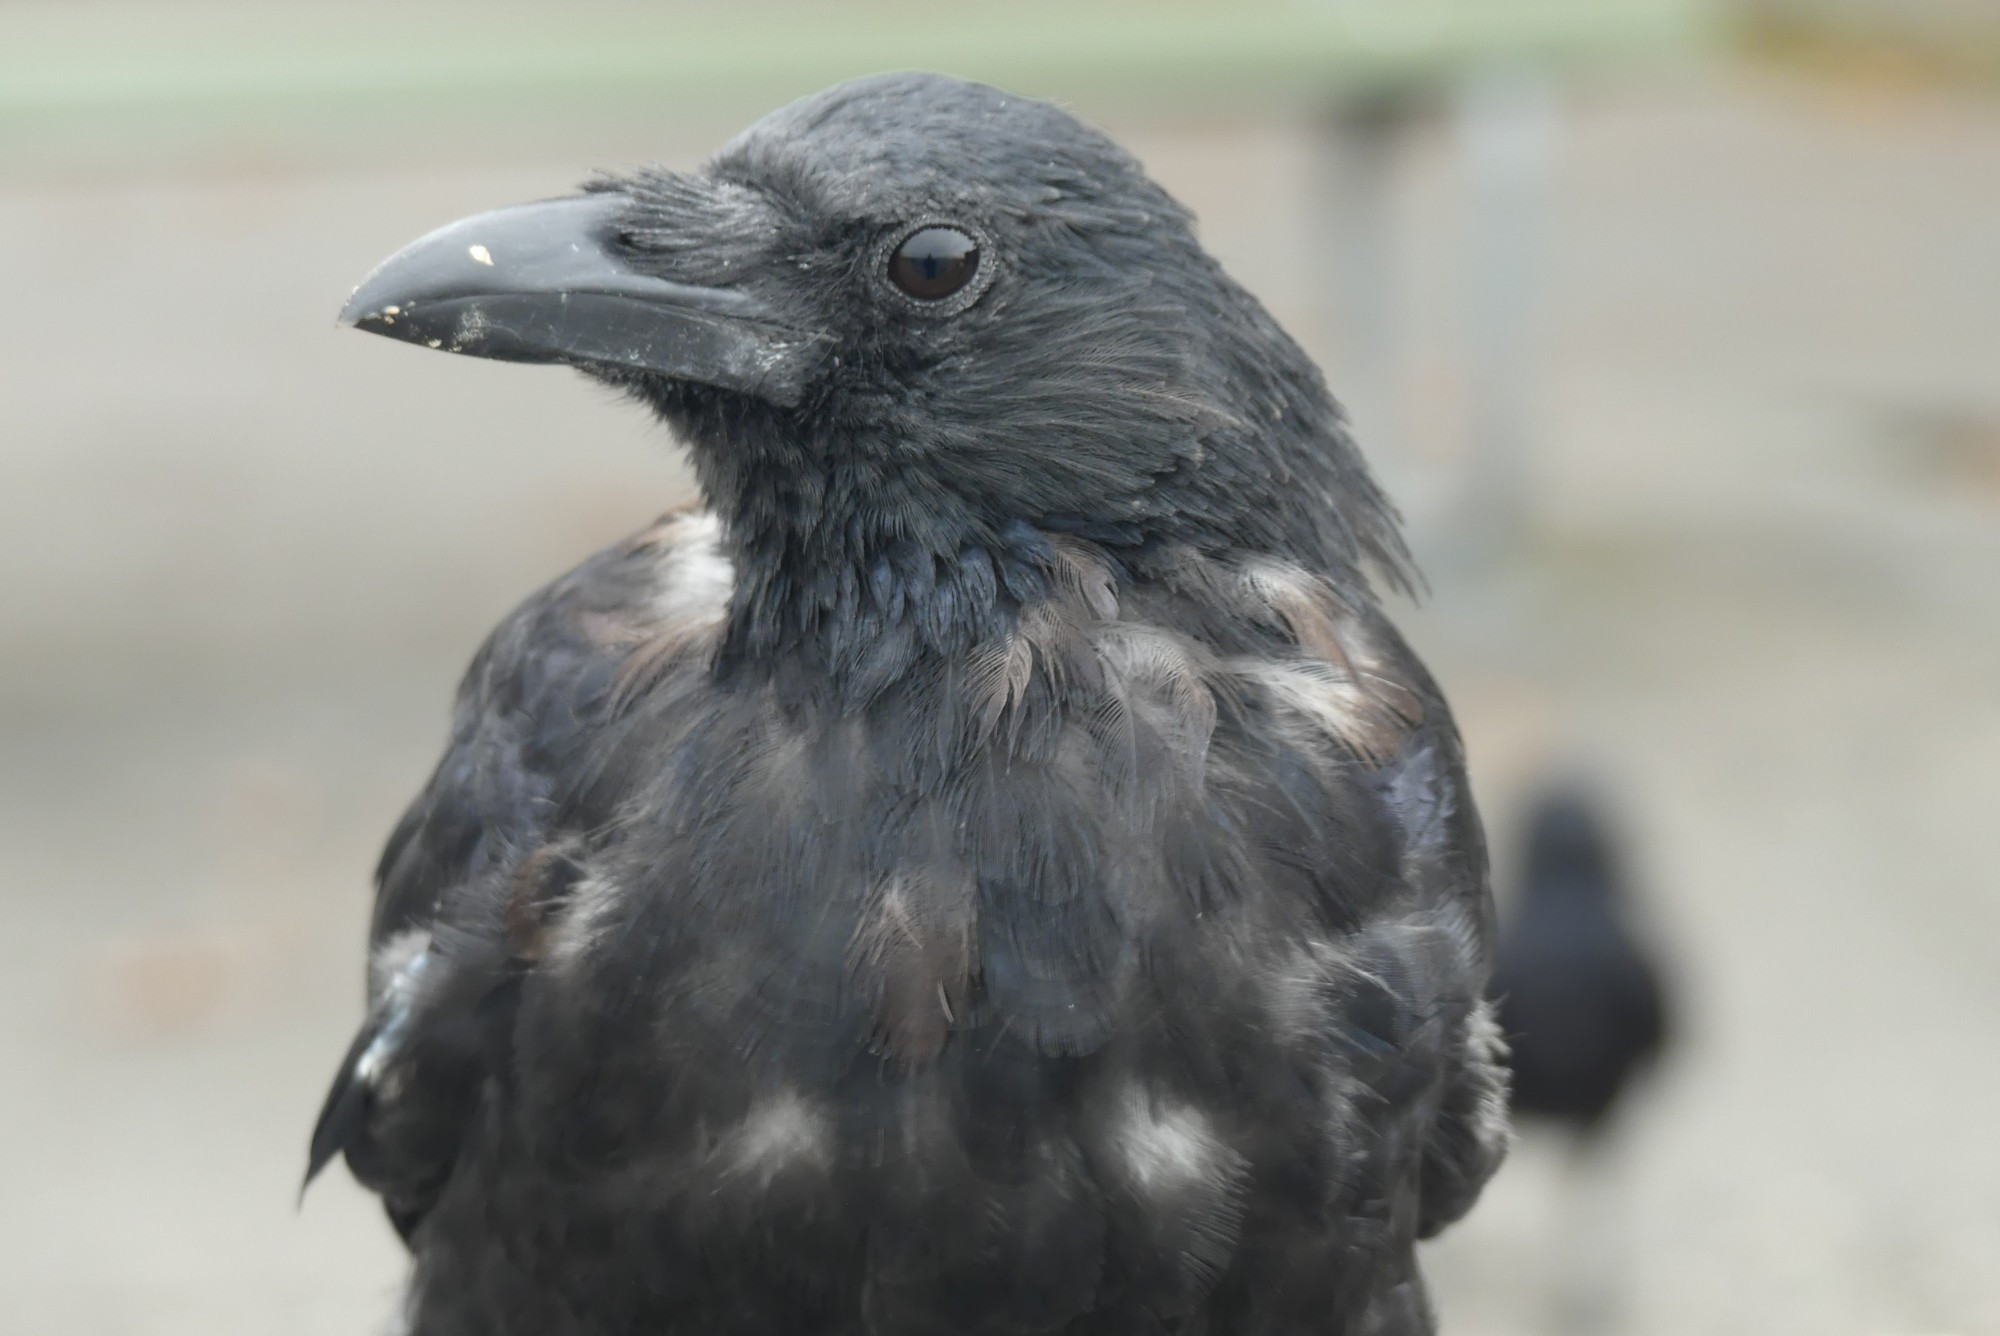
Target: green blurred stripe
x: 90, y: 61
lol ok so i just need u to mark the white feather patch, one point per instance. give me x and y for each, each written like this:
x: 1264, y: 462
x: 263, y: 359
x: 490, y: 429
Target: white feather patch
x: 696, y: 577
x: 391, y: 960
x: 1486, y: 1051
x: 582, y: 923
x: 1297, y: 989
x: 1329, y: 699
x: 399, y: 965
x: 779, y: 1133
x: 690, y: 602
x: 1167, y: 1147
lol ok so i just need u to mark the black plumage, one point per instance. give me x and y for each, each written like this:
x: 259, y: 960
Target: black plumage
x: 1580, y: 993
x: 992, y: 866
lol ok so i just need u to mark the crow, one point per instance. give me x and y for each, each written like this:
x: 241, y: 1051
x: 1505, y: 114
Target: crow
x: 1580, y: 996
x: 990, y: 866
x: 1583, y: 1007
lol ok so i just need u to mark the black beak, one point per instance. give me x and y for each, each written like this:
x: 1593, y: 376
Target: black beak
x: 545, y: 283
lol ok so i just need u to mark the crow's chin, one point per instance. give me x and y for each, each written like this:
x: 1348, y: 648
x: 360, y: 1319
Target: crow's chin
x: 706, y: 420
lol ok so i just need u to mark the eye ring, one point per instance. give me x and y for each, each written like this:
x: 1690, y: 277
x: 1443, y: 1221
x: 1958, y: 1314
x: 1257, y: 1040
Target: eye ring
x: 953, y: 263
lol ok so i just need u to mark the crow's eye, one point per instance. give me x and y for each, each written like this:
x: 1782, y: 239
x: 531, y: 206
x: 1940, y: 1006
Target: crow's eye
x: 934, y: 262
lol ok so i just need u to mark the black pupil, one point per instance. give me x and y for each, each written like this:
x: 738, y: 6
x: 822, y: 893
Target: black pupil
x: 934, y: 262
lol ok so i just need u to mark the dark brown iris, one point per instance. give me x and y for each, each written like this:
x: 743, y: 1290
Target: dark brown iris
x: 934, y: 262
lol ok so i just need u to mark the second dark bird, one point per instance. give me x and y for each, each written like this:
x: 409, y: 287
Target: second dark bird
x: 1580, y: 991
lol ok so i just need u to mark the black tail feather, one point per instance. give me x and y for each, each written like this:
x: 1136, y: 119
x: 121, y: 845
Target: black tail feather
x: 343, y: 1114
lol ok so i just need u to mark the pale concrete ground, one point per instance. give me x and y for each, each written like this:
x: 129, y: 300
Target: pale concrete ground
x: 246, y: 556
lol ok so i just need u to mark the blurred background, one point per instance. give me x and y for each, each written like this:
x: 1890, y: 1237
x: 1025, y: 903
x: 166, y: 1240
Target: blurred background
x: 1675, y: 328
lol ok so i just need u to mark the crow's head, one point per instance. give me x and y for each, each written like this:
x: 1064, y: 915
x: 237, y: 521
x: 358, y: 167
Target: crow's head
x: 1572, y: 849
x: 916, y: 312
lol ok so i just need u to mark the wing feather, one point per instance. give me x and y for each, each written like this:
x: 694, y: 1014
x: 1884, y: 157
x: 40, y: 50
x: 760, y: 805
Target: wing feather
x: 466, y: 876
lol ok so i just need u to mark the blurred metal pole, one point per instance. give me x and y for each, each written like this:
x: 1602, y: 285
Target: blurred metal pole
x: 1505, y: 122
x: 1358, y: 142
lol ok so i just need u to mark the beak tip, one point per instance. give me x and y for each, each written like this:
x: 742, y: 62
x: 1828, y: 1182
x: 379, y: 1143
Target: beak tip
x: 370, y: 313
x: 353, y: 310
